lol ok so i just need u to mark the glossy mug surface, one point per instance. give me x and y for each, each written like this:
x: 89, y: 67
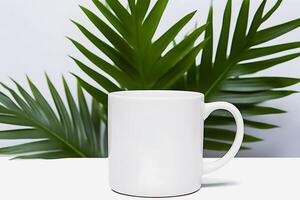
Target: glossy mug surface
x: 156, y: 141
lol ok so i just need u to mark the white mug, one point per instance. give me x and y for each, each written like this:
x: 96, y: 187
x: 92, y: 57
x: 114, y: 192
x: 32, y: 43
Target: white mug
x: 156, y: 141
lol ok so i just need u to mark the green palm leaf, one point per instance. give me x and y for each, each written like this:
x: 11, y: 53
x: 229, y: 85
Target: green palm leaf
x: 223, y: 79
x: 138, y: 61
x: 70, y: 130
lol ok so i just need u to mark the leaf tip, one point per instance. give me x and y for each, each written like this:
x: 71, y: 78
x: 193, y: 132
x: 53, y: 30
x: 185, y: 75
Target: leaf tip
x: 72, y: 57
x: 27, y: 78
x: 73, y: 21
x: 193, y: 13
x: 69, y: 38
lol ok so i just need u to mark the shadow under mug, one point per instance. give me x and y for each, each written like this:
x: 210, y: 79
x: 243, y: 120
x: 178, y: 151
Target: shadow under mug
x: 156, y: 141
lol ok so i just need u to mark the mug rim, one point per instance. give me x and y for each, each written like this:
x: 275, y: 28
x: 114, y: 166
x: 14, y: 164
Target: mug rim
x: 157, y: 94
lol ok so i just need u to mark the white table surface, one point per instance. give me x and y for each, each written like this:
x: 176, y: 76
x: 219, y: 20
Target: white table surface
x: 87, y: 179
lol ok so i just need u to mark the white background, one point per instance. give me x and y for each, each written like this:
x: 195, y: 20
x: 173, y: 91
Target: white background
x: 32, y: 41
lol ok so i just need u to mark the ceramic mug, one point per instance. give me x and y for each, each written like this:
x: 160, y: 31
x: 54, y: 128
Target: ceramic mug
x: 156, y: 141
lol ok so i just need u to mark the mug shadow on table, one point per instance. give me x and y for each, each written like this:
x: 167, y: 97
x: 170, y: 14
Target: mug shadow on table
x: 213, y: 182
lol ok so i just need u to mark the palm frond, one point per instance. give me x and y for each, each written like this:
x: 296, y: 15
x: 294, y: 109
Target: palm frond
x: 138, y: 61
x: 137, y: 58
x: 225, y: 78
x: 68, y: 130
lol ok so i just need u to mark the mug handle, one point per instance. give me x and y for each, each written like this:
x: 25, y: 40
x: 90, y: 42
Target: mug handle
x: 209, y: 108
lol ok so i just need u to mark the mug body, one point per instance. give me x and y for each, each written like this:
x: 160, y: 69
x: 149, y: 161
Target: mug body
x: 155, y: 142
